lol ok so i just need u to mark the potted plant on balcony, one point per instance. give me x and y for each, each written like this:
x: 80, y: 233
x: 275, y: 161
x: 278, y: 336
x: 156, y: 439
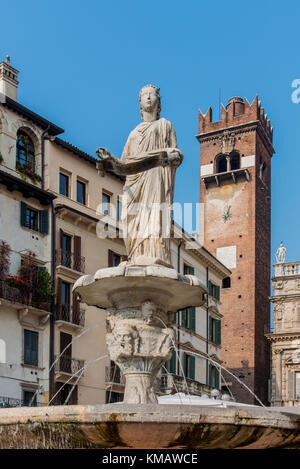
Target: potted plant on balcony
x: 26, y: 170
x: 43, y: 291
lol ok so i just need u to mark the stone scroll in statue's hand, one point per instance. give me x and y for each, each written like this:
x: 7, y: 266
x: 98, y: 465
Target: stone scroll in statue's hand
x: 149, y: 160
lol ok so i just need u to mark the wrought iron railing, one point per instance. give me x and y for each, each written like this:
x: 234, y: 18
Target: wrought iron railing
x: 70, y: 259
x: 74, y: 314
x: 176, y: 383
x: 114, y: 375
x: 23, y: 295
x: 6, y: 402
x: 66, y: 364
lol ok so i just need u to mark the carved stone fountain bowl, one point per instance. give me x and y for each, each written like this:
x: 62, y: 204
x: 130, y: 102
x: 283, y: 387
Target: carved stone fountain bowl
x: 131, y: 285
x: 148, y: 426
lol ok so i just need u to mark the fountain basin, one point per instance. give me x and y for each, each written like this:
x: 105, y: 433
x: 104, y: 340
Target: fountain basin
x: 148, y: 426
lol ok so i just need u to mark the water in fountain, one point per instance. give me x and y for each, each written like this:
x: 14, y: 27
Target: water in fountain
x: 74, y: 374
x: 179, y: 360
x: 72, y: 341
x: 225, y: 369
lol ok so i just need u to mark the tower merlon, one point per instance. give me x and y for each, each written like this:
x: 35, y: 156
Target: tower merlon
x: 237, y: 111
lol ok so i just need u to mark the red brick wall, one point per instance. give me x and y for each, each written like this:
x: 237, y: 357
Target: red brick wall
x: 245, y: 305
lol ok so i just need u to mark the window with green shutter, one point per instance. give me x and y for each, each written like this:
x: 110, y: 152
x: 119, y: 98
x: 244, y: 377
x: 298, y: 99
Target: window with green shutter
x: 192, y: 367
x: 210, y: 374
x: 173, y: 363
x: 210, y: 328
x: 218, y: 331
x: 217, y: 378
x: 192, y: 319
x: 184, y: 318
x: 31, y: 339
x: 44, y: 221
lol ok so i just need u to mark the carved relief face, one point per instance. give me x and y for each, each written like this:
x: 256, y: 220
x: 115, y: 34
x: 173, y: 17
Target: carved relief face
x: 123, y: 338
x: 149, y: 99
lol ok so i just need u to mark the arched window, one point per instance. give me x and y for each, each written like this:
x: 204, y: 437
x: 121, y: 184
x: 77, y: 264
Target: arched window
x: 25, y: 149
x: 235, y: 161
x: 221, y: 164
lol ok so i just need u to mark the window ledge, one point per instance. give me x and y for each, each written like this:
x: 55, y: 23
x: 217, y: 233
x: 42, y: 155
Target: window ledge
x: 33, y: 367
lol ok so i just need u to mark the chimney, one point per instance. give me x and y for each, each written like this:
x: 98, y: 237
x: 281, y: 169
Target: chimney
x: 8, y: 80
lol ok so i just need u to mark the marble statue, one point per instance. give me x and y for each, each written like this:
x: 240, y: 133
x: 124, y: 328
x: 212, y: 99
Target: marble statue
x: 149, y: 162
x: 280, y: 254
x: 141, y: 295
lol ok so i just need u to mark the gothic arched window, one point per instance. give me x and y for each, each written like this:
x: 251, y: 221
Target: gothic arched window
x: 25, y: 149
x: 235, y: 161
x: 221, y: 164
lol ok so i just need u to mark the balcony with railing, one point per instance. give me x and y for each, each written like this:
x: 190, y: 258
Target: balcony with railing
x: 70, y: 260
x: 71, y: 314
x: 6, y: 402
x: 172, y: 383
x: 68, y: 366
x: 287, y: 269
x: 19, y: 295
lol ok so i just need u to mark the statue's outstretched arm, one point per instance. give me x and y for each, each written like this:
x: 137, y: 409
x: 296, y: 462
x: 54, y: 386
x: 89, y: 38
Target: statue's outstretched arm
x: 145, y: 162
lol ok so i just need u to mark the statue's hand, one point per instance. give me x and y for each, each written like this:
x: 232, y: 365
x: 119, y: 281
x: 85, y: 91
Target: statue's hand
x: 104, y: 154
x: 175, y: 156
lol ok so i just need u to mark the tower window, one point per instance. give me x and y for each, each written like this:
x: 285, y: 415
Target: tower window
x: 221, y: 164
x: 226, y: 282
x: 234, y: 161
x: 25, y: 150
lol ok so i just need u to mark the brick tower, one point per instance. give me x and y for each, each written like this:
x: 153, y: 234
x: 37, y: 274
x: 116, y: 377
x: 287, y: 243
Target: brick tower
x: 235, y: 191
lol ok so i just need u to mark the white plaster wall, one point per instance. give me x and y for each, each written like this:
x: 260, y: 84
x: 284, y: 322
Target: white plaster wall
x: 12, y: 373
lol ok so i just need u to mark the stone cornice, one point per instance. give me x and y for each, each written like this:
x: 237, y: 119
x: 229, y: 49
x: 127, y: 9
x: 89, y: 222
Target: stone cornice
x: 287, y: 336
x: 240, y: 128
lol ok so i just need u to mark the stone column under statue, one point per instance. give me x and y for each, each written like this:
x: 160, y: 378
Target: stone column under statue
x: 142, y: 294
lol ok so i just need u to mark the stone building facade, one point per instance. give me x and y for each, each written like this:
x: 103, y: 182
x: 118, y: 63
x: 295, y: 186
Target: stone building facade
x: 285, y: 338
x: 26, y: 229
x: 235, y: 199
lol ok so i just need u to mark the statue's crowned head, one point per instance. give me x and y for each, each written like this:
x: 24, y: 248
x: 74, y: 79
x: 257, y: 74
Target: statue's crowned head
x: 149, y: 99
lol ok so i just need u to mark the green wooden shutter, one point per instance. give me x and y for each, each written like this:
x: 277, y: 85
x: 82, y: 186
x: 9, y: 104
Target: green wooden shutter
x: 31, y: 347
x: 217, y: 378
x: 218, y: 292
x: 209, y: 374
x: 192, y: 367
x: 210, y: 289
x: 192, y: 271
x: 44, y: 221
x: 175, y: 317
x: 184, y: 364
x: 184, y: 318
x: 210, y: 328
x: 23, y: 213
x: 192, y: 319
x: 173, y: 363
x: 218, y: 331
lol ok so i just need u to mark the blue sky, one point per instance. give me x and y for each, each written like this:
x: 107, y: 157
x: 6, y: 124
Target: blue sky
x: 82, y: 64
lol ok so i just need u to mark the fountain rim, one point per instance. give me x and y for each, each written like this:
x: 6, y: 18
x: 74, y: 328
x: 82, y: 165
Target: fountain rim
x: 152, y: 413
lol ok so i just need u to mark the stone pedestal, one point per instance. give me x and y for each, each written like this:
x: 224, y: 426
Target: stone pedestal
x: 140, y: 302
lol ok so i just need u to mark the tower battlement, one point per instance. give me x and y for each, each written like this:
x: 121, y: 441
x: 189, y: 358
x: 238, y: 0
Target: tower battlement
x: 237, y: 111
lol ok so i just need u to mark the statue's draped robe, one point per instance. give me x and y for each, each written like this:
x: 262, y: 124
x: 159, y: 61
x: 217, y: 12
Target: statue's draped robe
x: 148, y: 196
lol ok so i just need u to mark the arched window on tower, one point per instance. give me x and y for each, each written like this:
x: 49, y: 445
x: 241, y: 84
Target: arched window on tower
x: 235, y: 161
x: 221, y: 164
x: 25, y: 149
